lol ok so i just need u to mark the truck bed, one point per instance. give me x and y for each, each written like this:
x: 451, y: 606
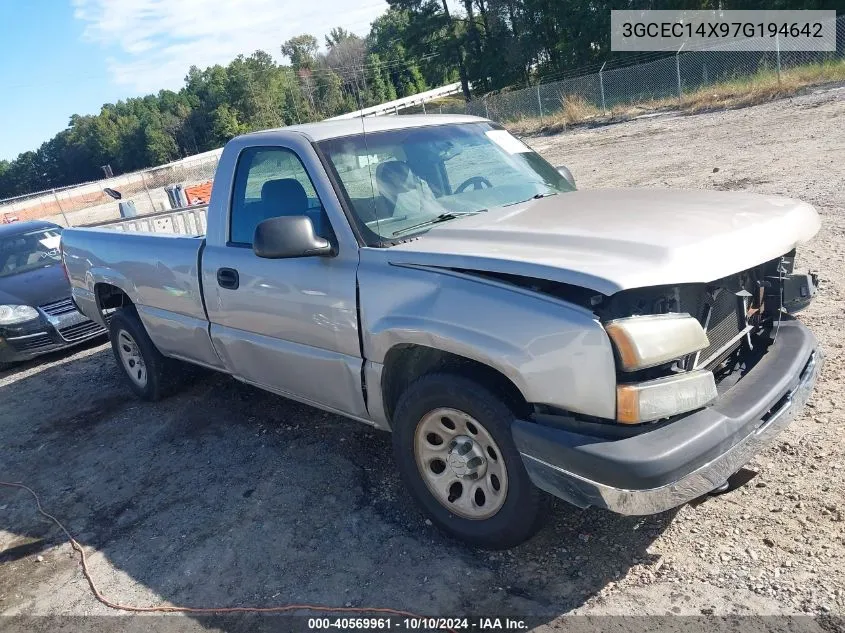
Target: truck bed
x: 155, y: 269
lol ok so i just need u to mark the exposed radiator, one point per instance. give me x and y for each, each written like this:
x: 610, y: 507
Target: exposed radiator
x: 723, y: 320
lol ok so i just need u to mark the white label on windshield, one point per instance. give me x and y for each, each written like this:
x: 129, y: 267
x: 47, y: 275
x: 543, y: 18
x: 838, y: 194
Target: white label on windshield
x: 51, y: 243
x: 510, y: 144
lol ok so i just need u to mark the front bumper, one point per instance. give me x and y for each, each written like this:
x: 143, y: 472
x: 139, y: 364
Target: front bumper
x: 667, y: 465
x: 47, y: 334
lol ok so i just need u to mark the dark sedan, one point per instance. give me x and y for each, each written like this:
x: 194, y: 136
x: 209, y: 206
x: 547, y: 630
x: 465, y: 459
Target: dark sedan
x: 36, y: 312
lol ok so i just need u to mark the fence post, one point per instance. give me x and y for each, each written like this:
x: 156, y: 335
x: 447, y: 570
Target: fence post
x: 601, y: 87
x: 423, y: 105
x: 777, y: 52
x: 539, y: 102
x: 678, y: 70
x: 144, y: 183
x: 486, y: 110
x: 59, y: 204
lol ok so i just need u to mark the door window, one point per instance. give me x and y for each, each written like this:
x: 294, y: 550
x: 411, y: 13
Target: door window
x: 272, y: 182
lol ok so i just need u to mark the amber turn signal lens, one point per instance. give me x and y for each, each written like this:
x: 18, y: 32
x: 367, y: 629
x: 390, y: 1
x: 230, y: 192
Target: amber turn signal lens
x: 664, y: 397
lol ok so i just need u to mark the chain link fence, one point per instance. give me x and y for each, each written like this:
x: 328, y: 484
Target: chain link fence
x: 170, y: 186
x: 672, y: 78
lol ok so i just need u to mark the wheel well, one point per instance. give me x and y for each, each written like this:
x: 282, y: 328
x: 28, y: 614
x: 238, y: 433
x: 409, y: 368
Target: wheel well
x: 403, y: 364
x: 110, y: 298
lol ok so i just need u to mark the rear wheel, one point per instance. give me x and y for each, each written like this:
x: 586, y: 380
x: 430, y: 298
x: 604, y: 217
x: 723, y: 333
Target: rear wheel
x: 144, y: 367
x: 454, y: 449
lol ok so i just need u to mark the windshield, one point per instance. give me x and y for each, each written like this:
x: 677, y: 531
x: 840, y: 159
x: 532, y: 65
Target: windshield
x: 28, y: 251
x: 400, y: 182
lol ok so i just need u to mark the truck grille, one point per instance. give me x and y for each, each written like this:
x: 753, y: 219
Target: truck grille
x: 724, y: 323
x: 57, y: 308
x: 80, y: 331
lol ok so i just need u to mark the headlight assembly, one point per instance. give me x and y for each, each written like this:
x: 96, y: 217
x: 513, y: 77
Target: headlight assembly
x: 648, y: 341
x: 10, y: 314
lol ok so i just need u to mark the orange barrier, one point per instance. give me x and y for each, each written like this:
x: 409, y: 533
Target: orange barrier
x: 199, y: 194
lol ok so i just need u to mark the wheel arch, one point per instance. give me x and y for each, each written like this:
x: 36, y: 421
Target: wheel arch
x: 108, y: 298
x: 404, y: 363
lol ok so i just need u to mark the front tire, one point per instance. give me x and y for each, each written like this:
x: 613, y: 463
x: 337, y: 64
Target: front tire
x: 455, y: 453
x: 144, y: 367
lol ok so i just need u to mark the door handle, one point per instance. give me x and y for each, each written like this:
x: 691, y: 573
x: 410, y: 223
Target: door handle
x: 228, y: 278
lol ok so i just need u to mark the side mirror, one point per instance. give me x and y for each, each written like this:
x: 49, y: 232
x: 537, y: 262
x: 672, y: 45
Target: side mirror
x: 563, y: 170
x: 289, y: 236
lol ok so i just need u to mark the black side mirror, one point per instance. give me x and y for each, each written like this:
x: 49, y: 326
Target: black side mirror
x: 289, y: 236
x: 563, y: 170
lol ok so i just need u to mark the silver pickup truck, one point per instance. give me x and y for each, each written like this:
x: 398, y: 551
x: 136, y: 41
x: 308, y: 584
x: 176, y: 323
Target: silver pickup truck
x: 435, y: 277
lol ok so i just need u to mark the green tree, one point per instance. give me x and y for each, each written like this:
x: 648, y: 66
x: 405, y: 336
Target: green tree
x: 225, y: 123
x: 432, y: 21
x: 338, y: 35
x: 301, y: 50
x: 387, y: 39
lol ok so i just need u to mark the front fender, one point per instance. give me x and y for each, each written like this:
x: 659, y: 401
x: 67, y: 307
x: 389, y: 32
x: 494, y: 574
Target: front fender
x: 555, y: 353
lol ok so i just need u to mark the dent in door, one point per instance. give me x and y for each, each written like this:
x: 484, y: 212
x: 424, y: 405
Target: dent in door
x: 334, y: 378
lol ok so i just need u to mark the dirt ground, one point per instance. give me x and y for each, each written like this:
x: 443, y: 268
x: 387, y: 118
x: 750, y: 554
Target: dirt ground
x: 224, y: 495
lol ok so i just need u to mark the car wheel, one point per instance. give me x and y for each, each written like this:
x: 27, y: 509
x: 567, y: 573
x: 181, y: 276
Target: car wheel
x: 455, y: 452
x: 144, y: 367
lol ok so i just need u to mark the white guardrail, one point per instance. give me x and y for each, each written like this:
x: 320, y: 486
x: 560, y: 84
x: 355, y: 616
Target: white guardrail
x: 188, y: 221
x: 393, y: 107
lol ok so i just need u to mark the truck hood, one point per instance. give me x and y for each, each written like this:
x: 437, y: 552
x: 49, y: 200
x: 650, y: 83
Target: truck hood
x: 609, y: 240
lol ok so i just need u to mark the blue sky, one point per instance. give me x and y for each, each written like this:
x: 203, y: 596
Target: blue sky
x: 64, y: 57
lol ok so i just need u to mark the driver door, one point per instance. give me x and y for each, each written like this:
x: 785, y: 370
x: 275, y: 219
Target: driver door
x: 287, y: 325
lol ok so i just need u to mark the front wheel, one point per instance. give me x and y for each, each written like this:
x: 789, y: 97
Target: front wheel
x: 454, y: 449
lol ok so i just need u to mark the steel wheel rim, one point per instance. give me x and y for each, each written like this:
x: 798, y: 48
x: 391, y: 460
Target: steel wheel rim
x: 133, y: 361
x: 461, y: 464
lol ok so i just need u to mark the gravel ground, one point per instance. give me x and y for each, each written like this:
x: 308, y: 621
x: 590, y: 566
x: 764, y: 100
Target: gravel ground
x: 225, y: 495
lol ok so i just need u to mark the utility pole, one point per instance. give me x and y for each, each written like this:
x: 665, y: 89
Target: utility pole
x: 678, y: 70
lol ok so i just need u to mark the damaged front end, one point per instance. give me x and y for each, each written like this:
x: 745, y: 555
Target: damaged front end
x: 685, y: 421
x: 679, y: 347
x: 734, y: 311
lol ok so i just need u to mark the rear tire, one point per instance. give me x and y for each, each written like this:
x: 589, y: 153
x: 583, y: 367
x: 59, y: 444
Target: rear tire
x: 455, y: 453
x: 143, y: 366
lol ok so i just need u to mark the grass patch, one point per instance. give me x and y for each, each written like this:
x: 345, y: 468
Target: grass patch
x: 739, y: 92
x: 576, y: 108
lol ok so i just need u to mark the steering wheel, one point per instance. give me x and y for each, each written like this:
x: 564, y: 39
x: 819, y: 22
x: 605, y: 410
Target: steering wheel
x: 477, y: 182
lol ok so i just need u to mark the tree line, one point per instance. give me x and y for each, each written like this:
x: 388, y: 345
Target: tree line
x: 415, y: 45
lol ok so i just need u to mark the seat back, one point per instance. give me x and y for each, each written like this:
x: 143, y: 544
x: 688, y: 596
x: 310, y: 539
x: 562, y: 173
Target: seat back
x: 283, y: 197
x: 393, y: 177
